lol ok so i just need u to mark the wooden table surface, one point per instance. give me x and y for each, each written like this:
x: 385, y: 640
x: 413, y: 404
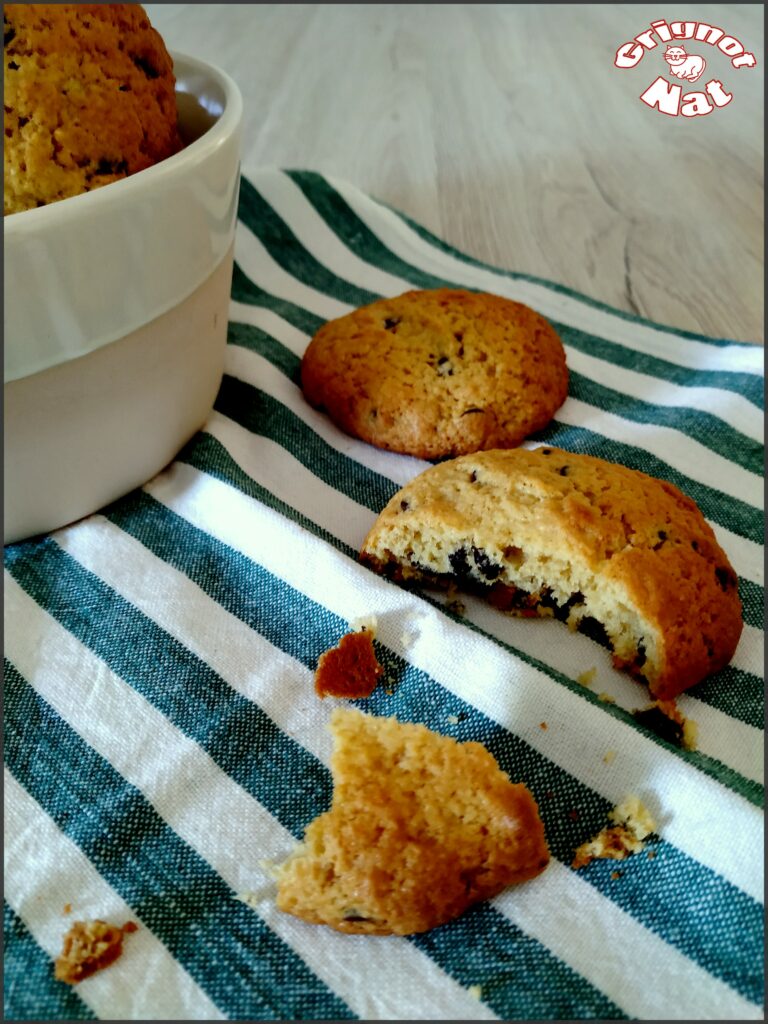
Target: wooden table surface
x: 506, y: 130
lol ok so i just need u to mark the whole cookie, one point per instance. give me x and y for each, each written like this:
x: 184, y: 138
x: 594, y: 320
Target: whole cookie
x: 88, y: 98
x: 624, y: 557
x: 437, y: 373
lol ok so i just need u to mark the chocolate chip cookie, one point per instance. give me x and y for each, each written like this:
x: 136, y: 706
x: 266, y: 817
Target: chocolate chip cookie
x: 620, y: 555
x: 437, y: 373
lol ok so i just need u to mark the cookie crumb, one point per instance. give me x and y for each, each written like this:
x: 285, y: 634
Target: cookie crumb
x: 475, y: 990
x: 90, y: 946
x: 365, y: 624
x: 609, y: 757
x: 586, y: 678
x: 543, y: 725
x: 615, y: 875
x: 606, y: 698
x: 350, y: 670
x: 452, y: 719
x: 67, y: 908
x: 632, y: 826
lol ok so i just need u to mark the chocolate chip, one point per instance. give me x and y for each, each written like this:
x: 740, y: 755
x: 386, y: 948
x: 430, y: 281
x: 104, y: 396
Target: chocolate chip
x: 662, y: 535
x: 640, y: 657
x: 404, y: 506
x: 8, y: 35
x: 144, y: 65
x: 694, y: 545
x: 23, y: 121
x: 458, y: 335
x: 665, y: 728
x: 473, y: 477
x: 725, y: 578
x: 13, y: 66
x: 459, y: 562
x: 563, y: 471
x: 444, y: 367
x: 487, y: 568
x: 595, y: 631
x: 355, y: 917
x: 472, y: 409
x: 546, y: 451
x: 391, y: 323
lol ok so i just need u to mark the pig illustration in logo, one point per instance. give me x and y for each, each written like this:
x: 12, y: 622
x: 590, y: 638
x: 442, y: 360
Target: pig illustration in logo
x: 684, y: 65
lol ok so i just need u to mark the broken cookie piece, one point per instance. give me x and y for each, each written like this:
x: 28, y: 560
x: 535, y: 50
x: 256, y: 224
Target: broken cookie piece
x: 632, y: 826
x: 350, y: 670
x: 420, y: 827
x: 625, y: 558
x: 90, y: 946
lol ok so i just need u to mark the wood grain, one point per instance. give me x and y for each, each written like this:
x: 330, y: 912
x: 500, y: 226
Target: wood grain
x: 506, y: 130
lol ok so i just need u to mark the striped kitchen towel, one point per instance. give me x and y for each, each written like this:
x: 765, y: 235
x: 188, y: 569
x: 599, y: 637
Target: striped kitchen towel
x: 164, y: 746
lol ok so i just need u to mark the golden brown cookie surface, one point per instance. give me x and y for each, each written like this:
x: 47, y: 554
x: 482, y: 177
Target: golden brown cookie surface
x: 619, y: 554
x: 420, y: 828
x: 89, y: 99
x: 437, y: 373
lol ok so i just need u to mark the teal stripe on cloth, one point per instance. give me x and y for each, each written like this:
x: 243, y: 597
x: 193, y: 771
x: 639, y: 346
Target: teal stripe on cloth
x: 360, y: 240
x: 246, y: 970
x: 736, y: 515
x: 701, y: 427
x: 286, y: 250
x: 30, y: 990
x: 474, y: 950
x: 261, y: 413
x: 270, y: 607
x: 244, y: 290
x: 293, y: 806
x: 733, y: 691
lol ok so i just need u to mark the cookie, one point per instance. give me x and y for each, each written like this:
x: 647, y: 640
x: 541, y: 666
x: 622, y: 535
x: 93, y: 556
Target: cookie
x: 437, y: 373
x: 420, y: 828
x: 88, y: 99
x: 622, y: 556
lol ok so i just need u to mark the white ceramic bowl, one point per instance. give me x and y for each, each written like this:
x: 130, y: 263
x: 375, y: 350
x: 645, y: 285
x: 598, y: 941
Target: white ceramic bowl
x: 116, y: 308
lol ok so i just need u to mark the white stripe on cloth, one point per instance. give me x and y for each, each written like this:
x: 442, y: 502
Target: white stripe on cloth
x: 745, y: 555
x: 40, y: 859
x: 206, y: 808
x: 701, y: 817
x: 732, y: 742
x: 253, y: 667
x: 663, y: 343
x: 319, y: 239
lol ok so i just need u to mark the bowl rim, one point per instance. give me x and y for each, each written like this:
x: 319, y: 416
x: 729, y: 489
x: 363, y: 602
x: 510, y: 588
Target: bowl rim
x: 38, y: 218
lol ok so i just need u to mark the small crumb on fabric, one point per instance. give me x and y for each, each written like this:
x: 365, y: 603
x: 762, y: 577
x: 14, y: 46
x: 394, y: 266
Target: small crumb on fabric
x: 67, y: 908
x: 586, y: 678
x: 615, y: 875
x: 475, y: 990
x: 606, y: 698
x: 452, y: 719
x: 365, y: 624
x: 90, y: 946
x: 609, y: 757
x: 632, y: 824
x: 350, y: 670
x: 543, y: 725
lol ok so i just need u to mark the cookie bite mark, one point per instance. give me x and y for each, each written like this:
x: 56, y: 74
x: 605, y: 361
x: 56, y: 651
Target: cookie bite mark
x: 420, y: 828
x: 624, y: 558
